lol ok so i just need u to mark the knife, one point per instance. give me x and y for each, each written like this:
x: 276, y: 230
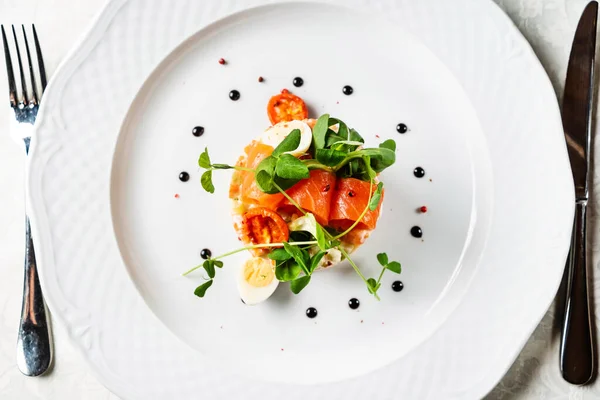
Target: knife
x: 576, y: 347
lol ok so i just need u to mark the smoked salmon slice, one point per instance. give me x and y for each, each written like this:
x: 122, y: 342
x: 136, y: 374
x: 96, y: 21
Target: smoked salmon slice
x: 349, y: 200
x: 243, y: 182
x: 313, y: 195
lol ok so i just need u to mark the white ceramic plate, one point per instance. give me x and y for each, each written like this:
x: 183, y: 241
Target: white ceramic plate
x: 113, y: 239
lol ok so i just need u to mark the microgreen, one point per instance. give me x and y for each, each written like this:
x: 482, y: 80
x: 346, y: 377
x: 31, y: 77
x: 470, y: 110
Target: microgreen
x: 330, y: 157
x: 206, y: 178
x: 374, y: 202
x: 299, y: 255
x: 287, y: 271
x: 289, y: 143
x: 279, y: 255
x: 299, y: 283
x: 201, y: 290
x: 289, y: 167
x: 206, y: 181
x: 315, y: 260
x: 320, y: 130
x: 335, y: 148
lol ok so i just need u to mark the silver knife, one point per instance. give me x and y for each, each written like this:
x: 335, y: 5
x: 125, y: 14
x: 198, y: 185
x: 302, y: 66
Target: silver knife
x: 576, y: 348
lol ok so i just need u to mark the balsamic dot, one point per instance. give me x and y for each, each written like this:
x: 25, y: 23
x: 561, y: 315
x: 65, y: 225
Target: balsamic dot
x: 184, y: 176
x: 397, y: 286
x: 311, y: 312
x: 416, y: 231
x: 353, y: 303
x: 347, y: 90
x: 234, y: 95
x: 205, y: 253
x: 298, y: 81
x: 198, y: 131
x: 419, y: 172
x: 402, y: 128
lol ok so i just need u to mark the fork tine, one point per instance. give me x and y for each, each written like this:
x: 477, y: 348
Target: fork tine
x: 34, y: 97
x: 38, y: 51
x: 12, y: 87
x: 23, y: 84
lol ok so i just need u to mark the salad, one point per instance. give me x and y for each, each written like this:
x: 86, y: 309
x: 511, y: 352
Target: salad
x: 305, y: 195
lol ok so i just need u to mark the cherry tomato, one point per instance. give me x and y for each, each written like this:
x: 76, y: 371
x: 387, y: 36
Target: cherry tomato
x: 286, y: 107
x: 262, y: 226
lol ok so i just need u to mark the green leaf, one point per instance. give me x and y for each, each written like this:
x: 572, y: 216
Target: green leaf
x: 290, y: 143
x: 209, y: 267
x: 370, y: 173
x: 299, y: 283
x: 289, y: 167
x: 383, y: 259
x: 394, y: 266
x: 381, y: 158
x: 342, y: 127
x: 301, y: 236
x: 355, y: 136
x: 264, y: 175
x: 315, y: 260
x: 320, y: 236
x: 330, y: 157
x: 320, y: 130
x: 201, y: 290
x: 279, y: 255
x: 376, y: 198
x: 333, y: 138
x: 222, y: 166
x: 299, y: 255
x: 204, y: 160
x: 388, y: 144
x: 372, y: 285
x: 287, y: 271
x: 206, y: 181
x: 219, y: 263
x: 348, y: 142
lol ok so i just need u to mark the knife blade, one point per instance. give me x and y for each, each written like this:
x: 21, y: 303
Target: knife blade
x: 576, y: 351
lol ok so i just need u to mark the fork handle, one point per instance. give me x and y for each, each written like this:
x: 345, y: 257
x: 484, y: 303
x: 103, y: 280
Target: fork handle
x: 576, y: 348
x: 34, y: 345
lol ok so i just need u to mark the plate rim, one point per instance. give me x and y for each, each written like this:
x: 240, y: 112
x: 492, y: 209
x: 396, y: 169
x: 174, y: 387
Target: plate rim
x: 39, y: 156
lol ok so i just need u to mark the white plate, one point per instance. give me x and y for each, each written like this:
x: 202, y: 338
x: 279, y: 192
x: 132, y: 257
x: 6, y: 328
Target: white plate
x: 484, y: 125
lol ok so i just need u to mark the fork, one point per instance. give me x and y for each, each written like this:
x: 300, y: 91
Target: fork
x: 34, y: 343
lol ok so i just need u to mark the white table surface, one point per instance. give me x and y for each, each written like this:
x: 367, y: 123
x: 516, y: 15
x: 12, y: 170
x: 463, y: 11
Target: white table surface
x: 549, y: 25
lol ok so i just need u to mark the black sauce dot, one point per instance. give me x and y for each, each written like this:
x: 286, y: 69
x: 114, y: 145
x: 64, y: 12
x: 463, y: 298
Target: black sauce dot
x: 234, y: 95
x: 416, y: 231
x: 205, y: 253
x: 402, y: 128
x: 347, y: 90
x: 397, y: 286
x: 242, y: 300
x: 419, y: 172
x: 198, y: 131
x: 184, y: 176
x: 311, y: 312
x: 298, y: 81
x: 353, y: 303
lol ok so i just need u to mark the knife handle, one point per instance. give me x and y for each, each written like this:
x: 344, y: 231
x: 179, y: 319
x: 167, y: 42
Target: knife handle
x: 576, y: 348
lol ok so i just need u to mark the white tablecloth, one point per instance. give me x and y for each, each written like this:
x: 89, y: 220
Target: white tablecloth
x: 549, y: 25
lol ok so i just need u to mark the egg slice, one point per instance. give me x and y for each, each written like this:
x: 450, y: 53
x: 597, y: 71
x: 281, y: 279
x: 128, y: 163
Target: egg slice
x: 275, y: 135
x: 256, y: 280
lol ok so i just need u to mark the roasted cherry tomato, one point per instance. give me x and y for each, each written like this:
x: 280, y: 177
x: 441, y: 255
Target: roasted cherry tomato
x: 262, y: 226
x: 286, y: 107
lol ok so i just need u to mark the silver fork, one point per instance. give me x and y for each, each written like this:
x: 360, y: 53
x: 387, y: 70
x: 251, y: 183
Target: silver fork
x: 34, y: 342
